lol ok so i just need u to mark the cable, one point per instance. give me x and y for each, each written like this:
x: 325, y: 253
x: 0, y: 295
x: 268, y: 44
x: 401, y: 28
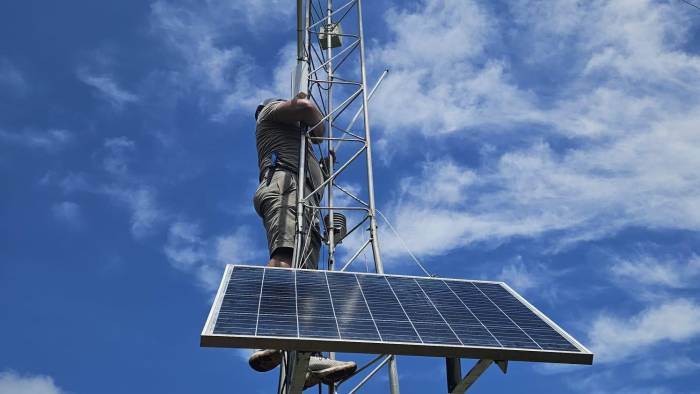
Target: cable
x: 364, y: 254
x: 404, y: 244
x: 690, y: 4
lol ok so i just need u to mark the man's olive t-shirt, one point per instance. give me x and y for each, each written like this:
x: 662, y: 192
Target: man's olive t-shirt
x: 272, y: 135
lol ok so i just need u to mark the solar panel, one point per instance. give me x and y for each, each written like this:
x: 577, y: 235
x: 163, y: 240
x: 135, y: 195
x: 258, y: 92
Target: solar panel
x: 296, y: 309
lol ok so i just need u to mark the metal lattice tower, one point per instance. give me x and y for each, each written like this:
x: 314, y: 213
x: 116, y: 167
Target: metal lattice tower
x: 331, y: 69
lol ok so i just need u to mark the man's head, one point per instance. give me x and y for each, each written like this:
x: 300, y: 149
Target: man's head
x: 263, y: 104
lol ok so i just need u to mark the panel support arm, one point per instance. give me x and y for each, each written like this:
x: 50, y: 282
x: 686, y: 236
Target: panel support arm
x: 468, y: 380
x: 298, y: 363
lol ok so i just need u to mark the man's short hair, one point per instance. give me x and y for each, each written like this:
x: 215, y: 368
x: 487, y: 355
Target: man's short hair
x: 263, y: 104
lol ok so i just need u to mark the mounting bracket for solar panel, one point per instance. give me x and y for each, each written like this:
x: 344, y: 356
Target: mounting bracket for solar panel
x: 503, y: 365
x: 385, y: 360
x: 297, y: 363
x: 468, y: 380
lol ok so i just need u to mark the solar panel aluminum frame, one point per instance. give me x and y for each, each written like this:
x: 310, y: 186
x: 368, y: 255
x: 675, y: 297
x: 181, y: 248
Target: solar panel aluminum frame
x: 210, y: 339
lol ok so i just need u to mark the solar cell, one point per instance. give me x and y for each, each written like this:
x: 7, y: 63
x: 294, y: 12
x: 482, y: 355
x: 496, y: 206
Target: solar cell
x: 371, y: 313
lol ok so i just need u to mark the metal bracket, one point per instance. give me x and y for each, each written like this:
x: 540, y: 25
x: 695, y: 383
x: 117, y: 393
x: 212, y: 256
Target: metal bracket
x: 503, y: 365
x: 298, y: 363
x: 474, y: 373
x: 453, y: 366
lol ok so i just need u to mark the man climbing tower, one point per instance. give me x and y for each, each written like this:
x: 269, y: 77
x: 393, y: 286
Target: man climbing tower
x: 279, y: 128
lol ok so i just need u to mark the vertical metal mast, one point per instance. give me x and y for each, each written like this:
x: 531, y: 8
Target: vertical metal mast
x: 331, y: 68
x: 370, y: 174
x: 330, y: 157
x: 294, y: 364
x: 300, y: 84
x: 393, y: 371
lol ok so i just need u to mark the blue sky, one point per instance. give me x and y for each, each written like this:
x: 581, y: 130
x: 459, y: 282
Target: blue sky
x: 550, y: 144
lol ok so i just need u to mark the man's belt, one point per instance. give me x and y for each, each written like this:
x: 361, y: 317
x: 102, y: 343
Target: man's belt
x: 269, y: 171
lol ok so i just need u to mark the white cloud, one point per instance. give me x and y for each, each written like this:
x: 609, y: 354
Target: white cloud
x: 12, y: 79
x: 520, y: 277
x: 259, y: 14
x: 667, y: 368
x: 463, y: 26
x: 14, y: 383
x: 531, y: 277
x: 142, y: 204
x: 432, y: 226
x: 626, y: 105
x: 108, y: 88
x: 67, y: 211
x: 188, y: 251
x: 615, y: 339
x: 186, y: 29
x: 51, y: 140
x: 438, y: 61
x: 119, y: 143
x: 447, y: 186
x: 117, y: 154
x: 609, y: 381
x: 581, y: 194
x: 276, y: 85
x: 184, y: 247
x: 126, y: 189
x: 649, y: 270
x: 73, y: 182
x: 644, y: 42
x: 224, y: 76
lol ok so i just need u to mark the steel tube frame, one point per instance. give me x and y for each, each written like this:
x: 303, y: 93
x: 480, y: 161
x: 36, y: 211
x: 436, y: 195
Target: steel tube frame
x: 368, y: 143
x: 335, y: 34
x: 372, y: 373
x: 329, y: 207
x: 302, y: 59
x: 349, y: 3
x: 330, y: 230
x: 470, y: 378
x: 393, y: 371
x: 294, y: 382
x: 338, y: 82
x: 319, y: 68
x: 354, y: 197
x: 330, y: 57
x: 357, y: 253
x: 359, y: 111
x: 355, y: 227
x: 342, y: 168
x: 362, y: 368
x: 336, y: 139
x: 347, y: 131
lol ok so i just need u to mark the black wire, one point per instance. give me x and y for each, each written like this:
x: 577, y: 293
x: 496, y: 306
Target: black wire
x: 319, y: 12
x: 347, y: 55
x: 322, y: 56
x: 690, y: 4
x: 346, y: 12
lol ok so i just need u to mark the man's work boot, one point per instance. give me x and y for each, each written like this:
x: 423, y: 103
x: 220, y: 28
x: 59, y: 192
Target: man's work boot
x: 265, y: 359
x: 327, y: 371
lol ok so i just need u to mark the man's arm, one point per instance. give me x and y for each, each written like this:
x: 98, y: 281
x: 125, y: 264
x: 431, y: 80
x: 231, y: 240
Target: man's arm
x: 300, y: 109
